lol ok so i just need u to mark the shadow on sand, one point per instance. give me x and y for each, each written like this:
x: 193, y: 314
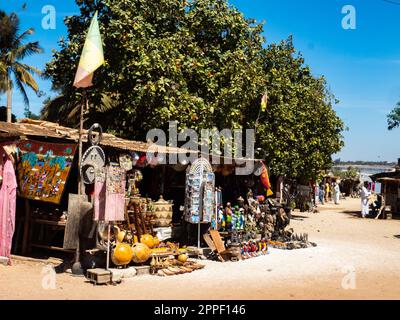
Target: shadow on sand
x: 357, y: 214
x: 299, y: 217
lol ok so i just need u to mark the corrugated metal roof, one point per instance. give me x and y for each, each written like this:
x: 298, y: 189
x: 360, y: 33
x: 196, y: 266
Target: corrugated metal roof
x: 39, y: 128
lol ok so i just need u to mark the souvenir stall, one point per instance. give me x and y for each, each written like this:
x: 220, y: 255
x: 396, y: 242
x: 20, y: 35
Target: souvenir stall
x: 110, y: 214
x: 244, y: 227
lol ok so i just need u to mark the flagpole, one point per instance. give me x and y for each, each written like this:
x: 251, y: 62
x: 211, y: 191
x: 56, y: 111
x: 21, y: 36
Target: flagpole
x: 77, y: 268
x: 84, y: 103
x: 91, y: 58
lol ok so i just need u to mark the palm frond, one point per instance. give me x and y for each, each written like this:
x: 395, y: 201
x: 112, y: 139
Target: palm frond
x: 20, y: 86
x: 27, y: 50
x: 24, y: 34
x: 9, y: 26
x: 30, y: 69
x: 66, y: 109
x: 108, y: 102
x: 24, y: 76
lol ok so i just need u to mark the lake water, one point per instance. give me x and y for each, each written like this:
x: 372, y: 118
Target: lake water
x: 366, y: 171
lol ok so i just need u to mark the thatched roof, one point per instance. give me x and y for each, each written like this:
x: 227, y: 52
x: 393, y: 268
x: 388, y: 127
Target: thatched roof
x: 39, y: 128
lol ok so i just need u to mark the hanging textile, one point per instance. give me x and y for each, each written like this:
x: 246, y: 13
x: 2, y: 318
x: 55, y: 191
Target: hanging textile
x: 43, y: 169
x: 109, y: 194
x: 265, y: 180
x: 8, y: 192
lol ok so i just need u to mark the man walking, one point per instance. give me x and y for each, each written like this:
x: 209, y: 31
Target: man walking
x: 336, y: 192
x: 365, y: 194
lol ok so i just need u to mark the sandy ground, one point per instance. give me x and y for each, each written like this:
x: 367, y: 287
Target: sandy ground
x: 355, y: 259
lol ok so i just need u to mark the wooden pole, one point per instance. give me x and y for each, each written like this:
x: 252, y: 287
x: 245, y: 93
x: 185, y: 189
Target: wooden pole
x: 108, y: 247
x: 27, y: 222
x: 80, y: 191
x: 84, y: 102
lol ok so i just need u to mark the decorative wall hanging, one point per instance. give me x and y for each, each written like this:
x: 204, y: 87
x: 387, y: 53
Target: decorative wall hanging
x: 93, y: 158
x: 200, y: 188
x: 43, y: 169
x: 126, y: 162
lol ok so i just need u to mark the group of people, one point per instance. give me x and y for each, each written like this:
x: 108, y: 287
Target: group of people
x: 328, y: 192
x: 331, y: 191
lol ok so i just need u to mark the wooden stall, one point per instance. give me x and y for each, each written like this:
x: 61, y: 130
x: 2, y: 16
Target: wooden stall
x: 41, y: 220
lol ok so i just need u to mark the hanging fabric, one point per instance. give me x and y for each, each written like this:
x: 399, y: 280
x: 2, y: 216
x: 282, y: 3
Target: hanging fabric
x: 8, y: 193
x: 109, y: 194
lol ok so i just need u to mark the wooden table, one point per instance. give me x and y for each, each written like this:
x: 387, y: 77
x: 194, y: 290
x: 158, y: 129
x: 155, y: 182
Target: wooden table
x: 59, y: 224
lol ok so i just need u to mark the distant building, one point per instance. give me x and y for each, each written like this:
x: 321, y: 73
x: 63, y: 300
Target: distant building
x: 390, y: 188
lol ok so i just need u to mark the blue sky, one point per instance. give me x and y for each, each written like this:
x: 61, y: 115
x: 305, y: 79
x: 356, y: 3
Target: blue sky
x: 362, y: 66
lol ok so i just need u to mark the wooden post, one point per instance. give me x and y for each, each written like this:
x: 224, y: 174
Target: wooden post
x: 80, y: 191
x: 27, y: 222
x: 85, y: 101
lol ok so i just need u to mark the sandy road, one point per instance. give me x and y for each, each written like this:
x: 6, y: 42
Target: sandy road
x: 351, y: 251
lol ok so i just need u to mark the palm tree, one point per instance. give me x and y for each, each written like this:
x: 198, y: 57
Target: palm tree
x: 65, y: 109
x: 13, y: 49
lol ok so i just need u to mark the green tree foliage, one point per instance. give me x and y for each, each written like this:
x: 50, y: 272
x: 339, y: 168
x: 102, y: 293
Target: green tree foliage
x: 201, y: 63
x: 393, y: 117
x: 195, y: 62
x: 350, y: 173
x: 13, y: 49
x: 299, y: 130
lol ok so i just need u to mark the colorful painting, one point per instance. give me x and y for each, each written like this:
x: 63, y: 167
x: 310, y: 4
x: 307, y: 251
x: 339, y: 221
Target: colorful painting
x: 43, y: 169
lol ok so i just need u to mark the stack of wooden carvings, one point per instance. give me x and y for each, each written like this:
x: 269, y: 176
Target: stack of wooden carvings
x: 171, y: 266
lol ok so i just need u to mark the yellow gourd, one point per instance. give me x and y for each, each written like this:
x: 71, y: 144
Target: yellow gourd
x: 121, y: 236
x: 182, y: 258
x: 122, y: 254
x: 141, y: 253
x: 148, y: 240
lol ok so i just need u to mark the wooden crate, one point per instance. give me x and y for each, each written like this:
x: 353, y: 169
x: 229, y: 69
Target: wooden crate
x: 99, y: 276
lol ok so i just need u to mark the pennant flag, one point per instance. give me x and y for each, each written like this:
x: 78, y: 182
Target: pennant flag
x: 264, y: 101
x: 265, y: 180
x: 92, y: 56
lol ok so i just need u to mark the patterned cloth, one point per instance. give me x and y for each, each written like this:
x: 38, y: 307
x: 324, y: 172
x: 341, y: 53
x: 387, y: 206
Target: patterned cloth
x: 8, y: 193
x: 109, y: 194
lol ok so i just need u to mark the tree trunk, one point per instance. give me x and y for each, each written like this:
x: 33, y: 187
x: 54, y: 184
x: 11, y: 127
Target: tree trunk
x: 9, y: 101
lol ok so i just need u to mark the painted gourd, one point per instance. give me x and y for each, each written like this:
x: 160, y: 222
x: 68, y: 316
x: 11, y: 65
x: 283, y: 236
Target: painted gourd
x: 182, y: 258
x: 141, y: 253
x: 148, y: 240
x: 122, y: 254
x: 121, y: 236
x: 156, y: 242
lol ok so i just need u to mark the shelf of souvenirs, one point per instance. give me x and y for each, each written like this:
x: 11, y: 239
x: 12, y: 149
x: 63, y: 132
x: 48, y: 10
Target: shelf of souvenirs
x: 52, y: 218
x: 47, y: 247
x: 60, y: 223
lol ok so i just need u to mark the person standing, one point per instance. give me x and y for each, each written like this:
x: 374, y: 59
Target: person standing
x: 322, y: 193
x: 365, y: 194
x: 336, y: 192
x: 327, y: 192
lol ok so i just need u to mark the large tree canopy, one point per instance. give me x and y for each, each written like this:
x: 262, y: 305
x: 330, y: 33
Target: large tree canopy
x: 195, y: 62
x: 201, y: 63
x: 300, y: 130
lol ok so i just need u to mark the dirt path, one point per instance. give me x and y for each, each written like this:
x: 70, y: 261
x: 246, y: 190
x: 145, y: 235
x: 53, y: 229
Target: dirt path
x: 351, y: 251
